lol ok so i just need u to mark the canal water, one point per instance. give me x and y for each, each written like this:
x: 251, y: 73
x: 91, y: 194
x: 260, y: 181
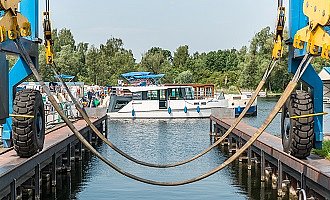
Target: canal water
x: 165, y: 141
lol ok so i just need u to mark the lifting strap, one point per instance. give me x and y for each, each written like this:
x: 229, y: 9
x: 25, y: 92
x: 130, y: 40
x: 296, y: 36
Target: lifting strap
x: 291, y: 86
x: 115, y: 148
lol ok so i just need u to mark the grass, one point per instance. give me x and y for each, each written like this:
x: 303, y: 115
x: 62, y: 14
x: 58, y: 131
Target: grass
x: 325, y: 151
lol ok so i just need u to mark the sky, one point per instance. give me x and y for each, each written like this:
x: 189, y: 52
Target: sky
x: 203, y: 25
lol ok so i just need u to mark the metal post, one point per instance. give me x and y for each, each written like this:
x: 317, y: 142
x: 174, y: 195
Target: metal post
x: 240, y: 173
x: 211, y: 131
x: 68, y: 156
x: 280, y: 178
x: 13, y: 192
x: 106, y: 128
x: 79, y: 151
x: 89, y: 136
x: 262, y: 190
x: 53, y: 170
x: 263, y: 165
x: 249, y: 158
x: 303, y: 181
x: 249, y: 183
x: 37, y: 185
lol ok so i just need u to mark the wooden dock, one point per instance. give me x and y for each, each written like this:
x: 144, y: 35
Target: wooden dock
x: 312, y: 174
x: 60, y: 149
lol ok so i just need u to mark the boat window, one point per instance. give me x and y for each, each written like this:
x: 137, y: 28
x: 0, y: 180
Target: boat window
x: 137, y: 96
x: 189, y: 94
x: 237, y: 98
x: 203, y: 103
x: 176, y: 94
x: 162, y: 95
x: 144, y: 95
x: 152, y: 95
x: 209, y: 92
x: 120, y: 104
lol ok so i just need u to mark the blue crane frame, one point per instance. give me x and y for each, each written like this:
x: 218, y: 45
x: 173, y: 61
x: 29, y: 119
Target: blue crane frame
x: 20, y: 71
x: 298, y: 20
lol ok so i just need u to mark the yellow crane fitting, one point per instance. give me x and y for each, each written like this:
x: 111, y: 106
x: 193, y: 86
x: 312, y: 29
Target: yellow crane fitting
x: 278, y: 41
x: 49, y: 43
x: 12, y: 23
x: 317, y: 39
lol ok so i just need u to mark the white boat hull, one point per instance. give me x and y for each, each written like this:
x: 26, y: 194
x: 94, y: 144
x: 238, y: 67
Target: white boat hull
x: 162, y: 114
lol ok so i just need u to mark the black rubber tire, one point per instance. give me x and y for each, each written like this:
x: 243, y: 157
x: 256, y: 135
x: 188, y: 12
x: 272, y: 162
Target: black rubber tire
x: 28, y: 133
x: 298, y: 134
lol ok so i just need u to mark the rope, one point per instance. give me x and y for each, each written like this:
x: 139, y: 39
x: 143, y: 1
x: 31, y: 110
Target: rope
x: 291, y: 86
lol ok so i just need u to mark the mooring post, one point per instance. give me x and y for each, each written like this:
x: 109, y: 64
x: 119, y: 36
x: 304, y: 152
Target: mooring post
x: 211, y: 131
x: 13, y: 192
x: 280, y: 178
x: 53, y: 170
x: 106, y: 128
x: 249, y: 158
x: 73, y: 153
x: 89, y: 136
x: 249, y: 182
x: 37, y: 184
x: 79, y: 151
x: 262, y: 190
x: 240, y: 173
x: 303, y: 181
x: 68, y: 156
x: 263, y: 165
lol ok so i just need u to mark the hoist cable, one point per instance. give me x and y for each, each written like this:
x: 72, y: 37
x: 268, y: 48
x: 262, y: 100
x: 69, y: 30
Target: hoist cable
x: 290, y: 88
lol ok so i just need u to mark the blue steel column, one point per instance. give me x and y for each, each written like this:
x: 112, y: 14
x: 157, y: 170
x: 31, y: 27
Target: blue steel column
x: 21, y: 71
x: 298, y: 20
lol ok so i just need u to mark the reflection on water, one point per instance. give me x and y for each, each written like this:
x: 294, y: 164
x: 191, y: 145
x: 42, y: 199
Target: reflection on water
x: 164, y: 141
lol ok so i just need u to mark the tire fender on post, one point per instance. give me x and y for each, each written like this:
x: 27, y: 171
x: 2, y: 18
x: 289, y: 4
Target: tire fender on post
x: 298, y: 134
x: 28, y: 133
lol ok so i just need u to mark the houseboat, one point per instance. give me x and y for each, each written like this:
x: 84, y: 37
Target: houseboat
x: 145, y: 98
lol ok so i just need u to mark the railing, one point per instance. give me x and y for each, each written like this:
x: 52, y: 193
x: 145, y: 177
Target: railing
x: 52, y: 117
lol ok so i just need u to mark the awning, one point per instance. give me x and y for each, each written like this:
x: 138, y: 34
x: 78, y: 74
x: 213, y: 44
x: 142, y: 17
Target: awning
x: 64, y: 76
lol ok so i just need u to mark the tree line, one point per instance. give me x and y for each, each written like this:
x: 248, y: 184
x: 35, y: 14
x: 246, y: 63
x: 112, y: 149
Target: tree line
x: 227, y: 69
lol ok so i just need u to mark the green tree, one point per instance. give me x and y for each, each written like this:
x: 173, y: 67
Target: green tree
x: 181, y: 57
x: 185, y: 77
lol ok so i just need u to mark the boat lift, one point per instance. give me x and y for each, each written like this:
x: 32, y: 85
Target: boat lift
x: 308, y: 39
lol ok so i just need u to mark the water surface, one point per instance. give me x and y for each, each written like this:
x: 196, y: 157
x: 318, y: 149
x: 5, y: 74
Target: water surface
x: 166, y: 141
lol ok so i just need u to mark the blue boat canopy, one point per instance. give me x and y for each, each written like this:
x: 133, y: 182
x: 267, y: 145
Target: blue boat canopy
x: 140, y: 76
x: 64, y: 76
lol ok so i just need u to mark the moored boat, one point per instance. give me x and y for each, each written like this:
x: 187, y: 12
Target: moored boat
x: 143, y: 100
